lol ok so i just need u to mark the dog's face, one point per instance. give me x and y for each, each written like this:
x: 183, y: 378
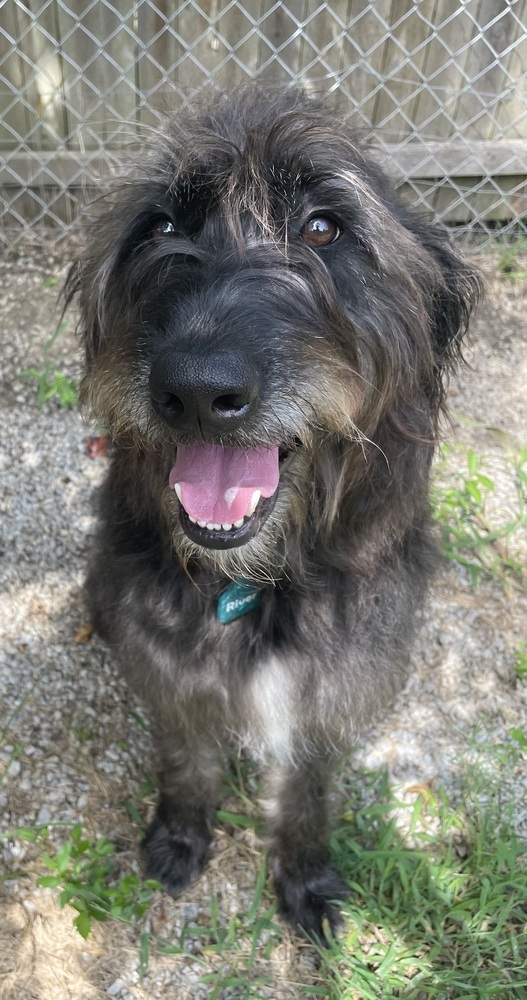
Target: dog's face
x: 263, y: 321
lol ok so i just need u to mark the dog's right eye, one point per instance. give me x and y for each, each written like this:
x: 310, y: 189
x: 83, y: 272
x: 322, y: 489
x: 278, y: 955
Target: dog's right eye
x: 162, y: 228
x: 319, y: 231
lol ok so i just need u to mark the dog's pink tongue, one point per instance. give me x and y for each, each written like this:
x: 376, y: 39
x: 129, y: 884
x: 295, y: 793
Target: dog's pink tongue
x: 217, y: 484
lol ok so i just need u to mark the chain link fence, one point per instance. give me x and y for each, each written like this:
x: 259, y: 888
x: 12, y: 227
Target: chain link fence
x: 441, y: 86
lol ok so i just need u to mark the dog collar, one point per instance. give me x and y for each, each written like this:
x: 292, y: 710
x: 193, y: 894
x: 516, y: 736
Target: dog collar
x: 238, y: 599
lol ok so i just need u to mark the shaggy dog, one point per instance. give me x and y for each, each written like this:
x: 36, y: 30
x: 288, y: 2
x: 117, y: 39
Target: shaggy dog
x: 267, y: 332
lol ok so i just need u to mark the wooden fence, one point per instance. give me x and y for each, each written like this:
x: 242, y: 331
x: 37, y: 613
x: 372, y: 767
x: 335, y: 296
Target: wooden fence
x: 443, y: 83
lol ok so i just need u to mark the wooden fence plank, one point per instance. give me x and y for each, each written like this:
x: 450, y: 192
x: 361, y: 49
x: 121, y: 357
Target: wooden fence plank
x: 281, y: 61
x: 475, y: 115
x: 44, y: 89
x: 98, y: 49
x: 468, y: 201
x: 404, y: 57
x: 510, y: 114
x: 185, y: 49
x: 453, y: 159
x: 364, y: 54
x: 160, y: 50
x: 243, y: 43
x: 17, y: 92
x: 432, y: 114
x: 320, y: 52
x: 222, y: 55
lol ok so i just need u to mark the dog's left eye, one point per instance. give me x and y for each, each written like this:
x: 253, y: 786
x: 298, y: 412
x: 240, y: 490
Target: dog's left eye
x: 320, y: 231
x: 161, y: 228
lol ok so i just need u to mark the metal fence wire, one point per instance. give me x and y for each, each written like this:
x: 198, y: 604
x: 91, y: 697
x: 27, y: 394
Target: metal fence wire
x: 440, y: 84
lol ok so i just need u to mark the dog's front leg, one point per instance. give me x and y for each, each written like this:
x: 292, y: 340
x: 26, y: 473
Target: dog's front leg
x: 176, y: 845
x: 299, y: 850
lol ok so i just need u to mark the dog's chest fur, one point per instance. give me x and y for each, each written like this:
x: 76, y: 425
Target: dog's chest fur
x: 273, y: 702
x: 308, y: 664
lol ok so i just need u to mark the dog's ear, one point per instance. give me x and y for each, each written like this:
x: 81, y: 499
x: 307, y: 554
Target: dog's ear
x: 453, y: 298
x: 451, y: 288
x: 71, y: 285
x: 78, y: 287
x: 71, y: 290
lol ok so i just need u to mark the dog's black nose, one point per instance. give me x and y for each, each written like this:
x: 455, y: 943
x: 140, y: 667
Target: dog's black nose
x: 209, y: 392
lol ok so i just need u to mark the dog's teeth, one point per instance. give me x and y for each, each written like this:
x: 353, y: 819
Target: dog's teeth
x: 217, y: 527
x: 202, y: 524
x: 226, y: 527
x: 193, y: 519
x: 254, y: 502
x: 210, y: 526
x: 239, y: 522
x: 177, y: 488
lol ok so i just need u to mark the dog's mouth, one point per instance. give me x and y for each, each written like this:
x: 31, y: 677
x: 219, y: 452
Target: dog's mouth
x: 225, y: 494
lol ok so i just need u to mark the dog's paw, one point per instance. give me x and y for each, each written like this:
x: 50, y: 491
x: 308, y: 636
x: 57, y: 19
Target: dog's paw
x: 309, y: 903
x: 173, y: 857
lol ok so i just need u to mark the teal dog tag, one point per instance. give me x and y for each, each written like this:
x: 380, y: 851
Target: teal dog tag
x: 237, y: 600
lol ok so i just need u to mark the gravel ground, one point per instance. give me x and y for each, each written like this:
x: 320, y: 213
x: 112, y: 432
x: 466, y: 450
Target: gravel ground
x: 72, y: 747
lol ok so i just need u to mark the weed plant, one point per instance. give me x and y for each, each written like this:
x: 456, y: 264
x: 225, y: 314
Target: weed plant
x: 512, y: 258
x: 469, y: 536
x: 53, y: 384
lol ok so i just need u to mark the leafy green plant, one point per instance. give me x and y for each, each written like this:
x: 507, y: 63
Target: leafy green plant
x: 469, y: 538
x: 519, y: 737
x: 86, y: 872
x: 511, y: 262
x: 53, y: 384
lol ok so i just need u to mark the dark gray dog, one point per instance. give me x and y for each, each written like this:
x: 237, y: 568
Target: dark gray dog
x: 267, y: 331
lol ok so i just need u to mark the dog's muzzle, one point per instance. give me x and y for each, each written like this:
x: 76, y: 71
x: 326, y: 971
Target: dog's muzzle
x: 225, y: 493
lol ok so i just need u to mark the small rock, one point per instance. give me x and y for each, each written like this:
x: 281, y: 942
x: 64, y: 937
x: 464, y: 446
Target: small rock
x: 115, y: 988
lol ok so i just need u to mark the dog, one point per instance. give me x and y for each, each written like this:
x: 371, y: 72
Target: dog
x: 268, y: 333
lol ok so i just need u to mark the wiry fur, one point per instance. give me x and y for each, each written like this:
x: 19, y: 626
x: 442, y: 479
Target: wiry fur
x: 352, y: 343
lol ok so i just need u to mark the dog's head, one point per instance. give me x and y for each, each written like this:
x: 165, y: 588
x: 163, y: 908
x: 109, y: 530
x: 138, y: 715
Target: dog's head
x: 270, y: 328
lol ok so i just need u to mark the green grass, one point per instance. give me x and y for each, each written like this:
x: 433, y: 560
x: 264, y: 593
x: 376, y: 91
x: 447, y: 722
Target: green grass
x: 470, y: 538
x: 439, y: 911
x: 512, y: 258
